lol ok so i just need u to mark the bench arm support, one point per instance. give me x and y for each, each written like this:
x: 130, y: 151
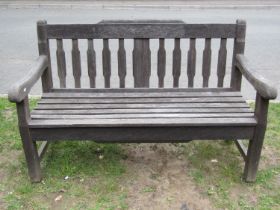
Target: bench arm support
x: 262, y: 85
x: 21, y: 89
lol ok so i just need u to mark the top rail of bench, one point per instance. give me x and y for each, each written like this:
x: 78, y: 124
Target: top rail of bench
x: 131, y: 30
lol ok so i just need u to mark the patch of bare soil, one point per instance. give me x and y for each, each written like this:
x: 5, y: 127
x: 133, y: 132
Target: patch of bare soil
x: 158, y: 179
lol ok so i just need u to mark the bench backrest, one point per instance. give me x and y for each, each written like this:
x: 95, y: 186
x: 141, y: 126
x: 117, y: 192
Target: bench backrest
x: 141, y: 32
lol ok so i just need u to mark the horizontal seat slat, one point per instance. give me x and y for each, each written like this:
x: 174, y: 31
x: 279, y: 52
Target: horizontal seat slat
x: 166, y: 94
x: 146, y: 122
x: 150, y: 115
x: 128, y: 106
x: 140, y: 90
x: 141, y: 100
x: 146, y: 110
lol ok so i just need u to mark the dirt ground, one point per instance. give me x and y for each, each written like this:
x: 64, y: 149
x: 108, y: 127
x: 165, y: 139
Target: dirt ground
x: 158, y: 180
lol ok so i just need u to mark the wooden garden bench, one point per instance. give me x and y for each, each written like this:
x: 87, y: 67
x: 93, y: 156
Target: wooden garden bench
x: 142, y: 114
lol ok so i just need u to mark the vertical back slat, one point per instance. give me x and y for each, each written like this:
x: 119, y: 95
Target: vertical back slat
x: 161, y: 67
x: 176, y: 67
x: 76, y: 63
x: 61, y: 64
x: 141, y: 62
x: 106, y: 62
x: 191, y: 62
x: 221, y: 69
x: 121, y: 63
x: 206, y: 65
x: 91, y: 61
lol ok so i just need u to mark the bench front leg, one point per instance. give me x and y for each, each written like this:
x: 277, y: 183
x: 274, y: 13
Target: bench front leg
x: 29, y: 146
x: 256, y: 143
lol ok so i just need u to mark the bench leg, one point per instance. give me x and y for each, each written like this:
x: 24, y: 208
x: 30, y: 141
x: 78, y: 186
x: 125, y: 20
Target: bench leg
x: 253, y: 158
x: 29, y: 147
x: 256, y: 143
x: 31, y: 156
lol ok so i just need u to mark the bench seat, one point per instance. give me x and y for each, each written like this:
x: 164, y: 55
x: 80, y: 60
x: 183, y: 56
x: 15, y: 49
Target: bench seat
x: 177, y: 113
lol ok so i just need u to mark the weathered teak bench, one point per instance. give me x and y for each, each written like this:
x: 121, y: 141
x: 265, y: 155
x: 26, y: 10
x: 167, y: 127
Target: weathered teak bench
x: 142, y: 114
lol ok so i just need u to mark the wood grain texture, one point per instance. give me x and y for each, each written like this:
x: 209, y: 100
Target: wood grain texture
x: 76, y: 63
x: 146, y: 122
x: 141, y: 90
x: 176, y: 67
x: 256, y: 143
x: 141, y: 134
x: 262, y: 85
x: 29, y: 146
x: 161, y: 63
x: 122, y: 63
x: 141, y: 63
x: 191, y: 63
x: 206, y: 64
x: 91, y: 61
x: 137, y: 92
x: 222, y: 59
x: 43, y: 47
x: 141, y: 105
x: 106, y: 63
x: 238, y: 48
x: 140, y: 30
x: 61, y: 63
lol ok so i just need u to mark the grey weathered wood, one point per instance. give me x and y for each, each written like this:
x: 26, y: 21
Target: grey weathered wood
x: 42, y: 149
x: 122, y: 63
x: 140, y: 105
x: 242, y: 149
x: 238, y: 48
x: 142, y: 134
x: 142, y: 90
x: 206, y: 64
x: 152, y: 122
x: 255, y: 144
x: 140, y: 30
x: 91, y: 61
x: 176, y: 67
x: 167, y: 93
x: 191, y: 62
x: 221, y: 69
x: 262, y: 85
x: 142, y: 114
x: 61, y: 63
x: 21, y: 89
x: 141, y: 62
x: 76, y: 63
x: 139, y: 110
x: 161, y: 63
x: 142, y: 100
x: 29, y: 147
x: 106, y: 63
x: 43, y: 47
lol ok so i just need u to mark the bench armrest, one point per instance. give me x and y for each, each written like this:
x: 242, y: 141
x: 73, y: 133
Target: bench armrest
x: 21, y: 89
x: 262, y: 85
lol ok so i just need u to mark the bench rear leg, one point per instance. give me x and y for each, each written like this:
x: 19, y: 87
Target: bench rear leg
x: 29, y: 147
x: 256, y: 143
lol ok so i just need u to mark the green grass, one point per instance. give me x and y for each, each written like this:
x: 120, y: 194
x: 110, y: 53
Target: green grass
x: 217, y: 170
x: 97, y: 183
x: 89, y: 177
